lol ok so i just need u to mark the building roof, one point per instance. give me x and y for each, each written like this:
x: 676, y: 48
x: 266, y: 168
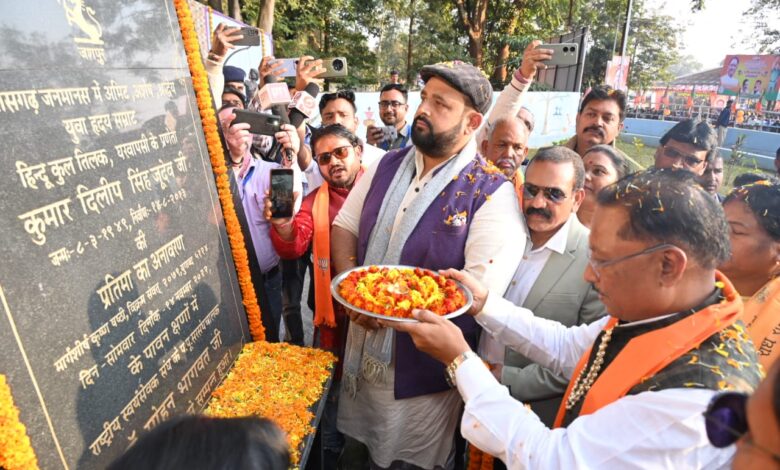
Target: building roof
x: 708, y: 80
x: 707, y: 77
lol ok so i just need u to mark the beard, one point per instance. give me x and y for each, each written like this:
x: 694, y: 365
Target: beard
x: 431, y: 143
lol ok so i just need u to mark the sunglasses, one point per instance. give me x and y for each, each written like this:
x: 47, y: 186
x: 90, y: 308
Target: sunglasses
x: 689, y: 160
x: 341, y: 153
x: 554, y: 195
x: 726, y: 421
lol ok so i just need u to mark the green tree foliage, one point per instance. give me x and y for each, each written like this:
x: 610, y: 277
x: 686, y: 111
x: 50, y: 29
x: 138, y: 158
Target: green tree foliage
x: 325, y: 28
x: 374, y: 34
x: 652, y: 41
x: 767, y: 38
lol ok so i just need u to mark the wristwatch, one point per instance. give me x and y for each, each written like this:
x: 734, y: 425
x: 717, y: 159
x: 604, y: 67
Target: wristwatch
x: 453, y: 366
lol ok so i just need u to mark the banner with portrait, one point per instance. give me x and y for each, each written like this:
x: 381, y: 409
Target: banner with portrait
x: 750, y: 76
x: 617, y: 72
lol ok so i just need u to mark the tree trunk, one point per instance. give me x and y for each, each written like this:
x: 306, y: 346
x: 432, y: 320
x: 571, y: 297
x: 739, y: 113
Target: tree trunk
x: 570, y: 18
x: 499, y: 69
x: 234, y: 10
x: 216, y: 5
x: 265, y: 20
x: 326, y: 36
x: 475, y: 48
x: 500, y: 66
x: 409, y: 70
x: 473, y: 16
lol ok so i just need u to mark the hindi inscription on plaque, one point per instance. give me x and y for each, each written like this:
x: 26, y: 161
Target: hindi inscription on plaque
x: 119, y: 305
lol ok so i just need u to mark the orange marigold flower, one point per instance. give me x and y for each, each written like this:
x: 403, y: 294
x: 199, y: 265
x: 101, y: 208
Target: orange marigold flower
x: 395, y: 292
x: 216, y: 155
x: 16, y: 452
x: 278, y: 381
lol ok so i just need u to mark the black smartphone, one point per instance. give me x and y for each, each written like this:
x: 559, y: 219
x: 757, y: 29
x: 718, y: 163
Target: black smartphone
x: 259, y: 123
x: 282, y: 200
x: 251, y: 37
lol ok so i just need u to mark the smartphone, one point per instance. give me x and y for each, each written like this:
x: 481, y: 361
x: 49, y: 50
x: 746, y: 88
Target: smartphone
x: 564, y: 54
x: 334, y: 68
x: 282, y: 192
x: 389, y: 134
x: 259, y: 123
x: 251, y: 37
x: 290, y: 66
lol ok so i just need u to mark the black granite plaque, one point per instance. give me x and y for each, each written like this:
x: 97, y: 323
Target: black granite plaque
x: 119, y: 305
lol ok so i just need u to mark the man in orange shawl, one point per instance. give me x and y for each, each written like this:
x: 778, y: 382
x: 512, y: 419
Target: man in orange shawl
x: 337, y: 152
x: 641, y: 378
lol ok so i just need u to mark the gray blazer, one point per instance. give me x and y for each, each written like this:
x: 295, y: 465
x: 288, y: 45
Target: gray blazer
x: 560, y: 293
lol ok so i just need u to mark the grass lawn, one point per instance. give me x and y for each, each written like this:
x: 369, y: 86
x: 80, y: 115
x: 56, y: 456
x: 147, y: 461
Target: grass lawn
x: 643, y: 155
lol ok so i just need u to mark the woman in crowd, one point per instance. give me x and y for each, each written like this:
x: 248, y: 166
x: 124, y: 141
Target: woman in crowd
x: 604, y: 164
x: 753, y: 214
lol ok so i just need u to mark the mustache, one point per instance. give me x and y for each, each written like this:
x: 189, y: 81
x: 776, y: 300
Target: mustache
x: 596, y: 129
x: 510, y: 161
x: 539, y: 211
x: 425, y: 120
x: 336, y: 168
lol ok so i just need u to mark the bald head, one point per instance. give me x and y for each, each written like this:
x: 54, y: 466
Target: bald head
x: 507, y: 144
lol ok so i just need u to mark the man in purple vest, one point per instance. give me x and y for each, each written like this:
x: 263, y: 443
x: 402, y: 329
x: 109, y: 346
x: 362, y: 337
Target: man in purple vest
x: 436, y: 204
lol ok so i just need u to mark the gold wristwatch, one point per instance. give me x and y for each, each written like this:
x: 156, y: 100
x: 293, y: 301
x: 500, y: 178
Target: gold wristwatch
x: 453, y: 366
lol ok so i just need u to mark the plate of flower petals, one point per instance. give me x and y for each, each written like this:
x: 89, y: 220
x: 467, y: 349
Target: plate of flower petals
x: 391, y: 292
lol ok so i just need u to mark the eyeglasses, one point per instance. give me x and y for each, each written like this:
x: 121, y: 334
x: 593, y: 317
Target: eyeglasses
x: 726, y: 421
x: 553, y: 195
x: 598, y: 265
x: 390, y: 104
x: 340, y: 152
x: 688, y: 160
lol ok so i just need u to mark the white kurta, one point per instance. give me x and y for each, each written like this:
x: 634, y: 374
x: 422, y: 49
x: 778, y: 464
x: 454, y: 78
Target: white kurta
x: 663, y: 429
x: 420, y: 430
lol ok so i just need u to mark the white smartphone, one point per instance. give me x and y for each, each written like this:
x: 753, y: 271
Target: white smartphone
x: 335, y: 67
x: 564, y: 54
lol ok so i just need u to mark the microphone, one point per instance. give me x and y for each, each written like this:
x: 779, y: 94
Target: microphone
x: 273, y: 93
x: 303, y: 104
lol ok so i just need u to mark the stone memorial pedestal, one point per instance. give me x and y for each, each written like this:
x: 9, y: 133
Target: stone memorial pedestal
x: 119, y: 305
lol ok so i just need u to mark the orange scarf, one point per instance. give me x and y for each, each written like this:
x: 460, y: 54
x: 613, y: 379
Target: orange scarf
x: 323, y: 303
x: 649, y: 353
x: 762, y: 317
x: 518, y: 180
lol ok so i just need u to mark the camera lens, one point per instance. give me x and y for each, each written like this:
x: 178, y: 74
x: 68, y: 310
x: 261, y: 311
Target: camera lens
x: 565, y: 49
x: 338, y: 65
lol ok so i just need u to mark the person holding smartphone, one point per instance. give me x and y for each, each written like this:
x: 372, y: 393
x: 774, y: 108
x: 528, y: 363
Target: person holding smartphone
x: 392, y: 110
x: 337, y: 153
x: 250, y: 182
x: 223, y: 39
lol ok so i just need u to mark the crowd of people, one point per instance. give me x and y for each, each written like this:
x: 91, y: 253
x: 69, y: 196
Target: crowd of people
x: 743, y: 117
x: 622, y: 317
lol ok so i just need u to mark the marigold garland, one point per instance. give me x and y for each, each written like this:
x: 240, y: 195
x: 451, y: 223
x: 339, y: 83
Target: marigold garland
x: 479, y: 460
x: 278, y: 381
x: 203, y: 94
x: 16, y: 452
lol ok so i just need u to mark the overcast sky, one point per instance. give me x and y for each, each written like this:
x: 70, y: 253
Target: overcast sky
x: 711, y: 34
